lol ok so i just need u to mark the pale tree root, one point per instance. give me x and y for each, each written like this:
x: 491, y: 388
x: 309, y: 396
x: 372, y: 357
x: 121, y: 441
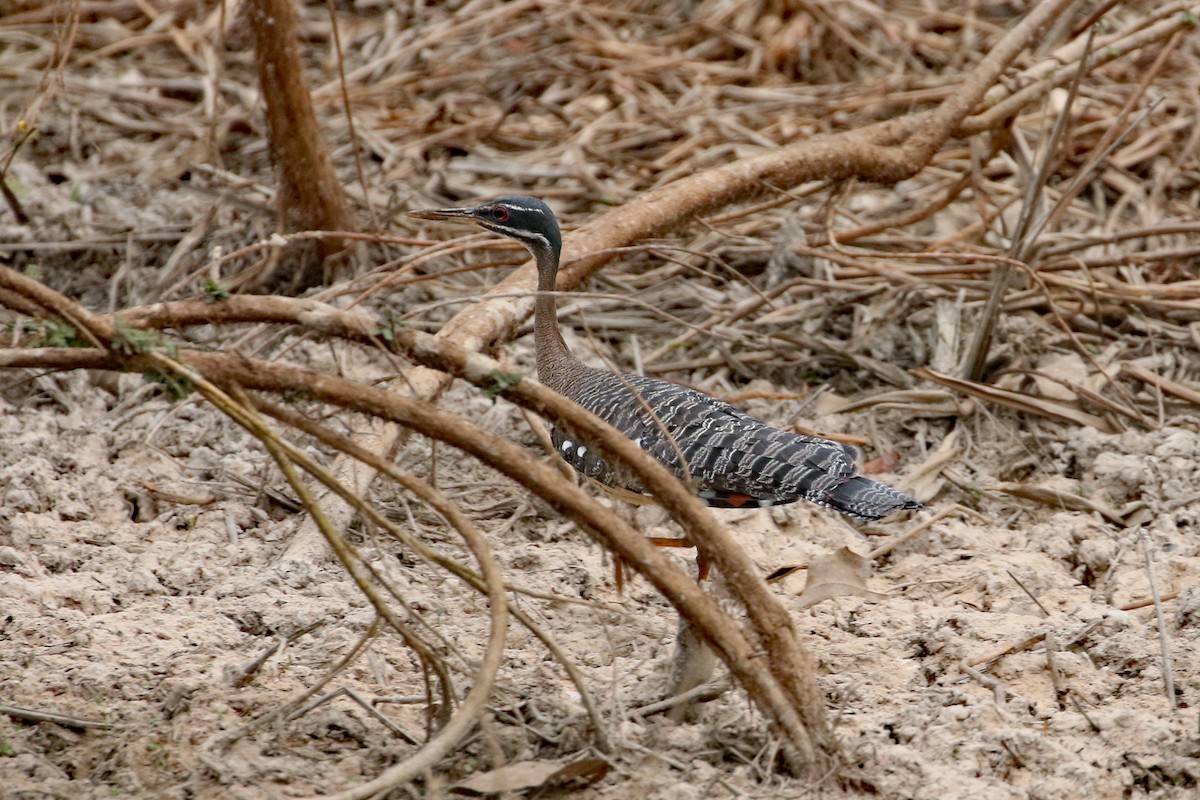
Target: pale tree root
x: 771, y: 665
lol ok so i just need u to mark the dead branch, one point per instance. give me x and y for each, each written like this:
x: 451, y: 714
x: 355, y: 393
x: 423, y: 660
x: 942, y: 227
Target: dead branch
x: 451, y: 513
x: 775, y: 670
x: 310, y: 196
x: 473, y: 704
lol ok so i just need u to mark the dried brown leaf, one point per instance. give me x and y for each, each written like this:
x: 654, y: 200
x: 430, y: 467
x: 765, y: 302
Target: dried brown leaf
x: 546, y: 778
x: 841, y: 573
x: 509, y: 778
x: 884, y: 463
x: 573, y: 777
x: 1055, y: 371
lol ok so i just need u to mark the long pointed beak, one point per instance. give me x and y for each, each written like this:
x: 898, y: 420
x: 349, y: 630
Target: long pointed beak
x: 461, y: 214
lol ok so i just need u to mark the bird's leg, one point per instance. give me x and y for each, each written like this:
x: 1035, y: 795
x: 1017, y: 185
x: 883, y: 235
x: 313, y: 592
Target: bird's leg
x: 628, y: 513
x: 620, y: 567
x: 701, y: 561
x: 694, y: 662
x: 692, y: 665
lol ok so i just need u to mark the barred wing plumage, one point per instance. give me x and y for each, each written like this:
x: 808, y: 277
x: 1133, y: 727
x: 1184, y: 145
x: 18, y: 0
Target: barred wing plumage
x: 730, y: 459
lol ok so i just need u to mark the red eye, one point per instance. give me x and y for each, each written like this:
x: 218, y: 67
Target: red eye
x: 500, y: 213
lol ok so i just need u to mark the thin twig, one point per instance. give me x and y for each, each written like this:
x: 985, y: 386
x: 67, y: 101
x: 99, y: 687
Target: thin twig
x: 1164, y: 650
x: 66, y: 720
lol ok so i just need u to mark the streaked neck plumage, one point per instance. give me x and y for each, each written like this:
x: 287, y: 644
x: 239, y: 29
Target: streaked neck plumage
x: 555, y: 362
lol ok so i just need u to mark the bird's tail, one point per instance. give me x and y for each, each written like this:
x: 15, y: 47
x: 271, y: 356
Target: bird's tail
x: 868, y: 499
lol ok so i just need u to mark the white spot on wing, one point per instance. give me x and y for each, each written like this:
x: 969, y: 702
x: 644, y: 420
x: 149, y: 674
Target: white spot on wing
x: 567, y: 445
x: 582, y: 451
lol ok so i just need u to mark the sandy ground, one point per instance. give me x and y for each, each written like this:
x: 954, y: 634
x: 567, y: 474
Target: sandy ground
x: 122, y: 607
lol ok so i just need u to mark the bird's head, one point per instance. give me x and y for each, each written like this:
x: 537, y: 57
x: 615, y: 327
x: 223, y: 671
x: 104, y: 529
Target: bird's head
x: 526, y: 219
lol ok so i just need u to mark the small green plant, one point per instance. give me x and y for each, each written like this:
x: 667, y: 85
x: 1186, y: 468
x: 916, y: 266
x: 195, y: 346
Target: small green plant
x: 177, y: 387
x: 53, y: 334
x: 132, y: 341
x: 15, y: 186
x: 293, y: 396
x: 387, y: 331
x: 500, y: 382
x: 162, y: 756
x: 214, y: 291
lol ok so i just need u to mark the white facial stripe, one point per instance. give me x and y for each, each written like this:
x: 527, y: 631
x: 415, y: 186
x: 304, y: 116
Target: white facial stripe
x: 525, y: 237
x: 526, y: 208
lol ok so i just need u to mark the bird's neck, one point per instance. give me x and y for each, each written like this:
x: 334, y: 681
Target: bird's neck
x: 554, y: 361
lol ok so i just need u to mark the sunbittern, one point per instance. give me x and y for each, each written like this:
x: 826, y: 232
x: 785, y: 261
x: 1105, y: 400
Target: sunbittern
x: 730, y: 459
